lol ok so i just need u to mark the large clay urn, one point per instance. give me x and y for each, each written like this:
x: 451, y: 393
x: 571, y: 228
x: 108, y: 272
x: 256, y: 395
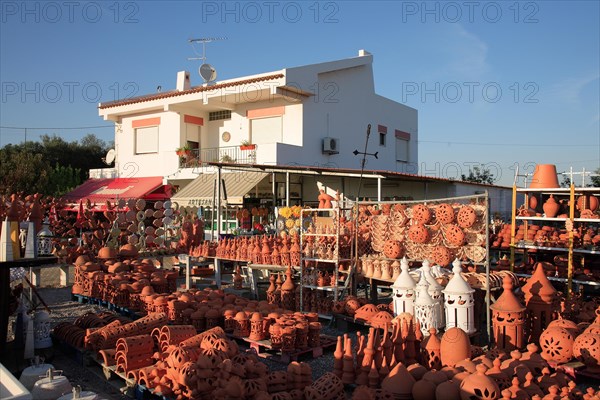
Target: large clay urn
x: 587, y: 202
x: 551, y: 207
x: 544, y: 176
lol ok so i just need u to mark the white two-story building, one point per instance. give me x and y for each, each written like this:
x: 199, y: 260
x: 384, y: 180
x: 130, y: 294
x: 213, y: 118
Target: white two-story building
x: 313, y: 115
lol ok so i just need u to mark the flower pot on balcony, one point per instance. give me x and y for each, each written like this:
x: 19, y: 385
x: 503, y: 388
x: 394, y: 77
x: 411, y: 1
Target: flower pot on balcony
x: 248, y: 147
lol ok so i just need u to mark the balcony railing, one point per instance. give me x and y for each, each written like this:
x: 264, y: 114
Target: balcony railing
x: 229, y: 154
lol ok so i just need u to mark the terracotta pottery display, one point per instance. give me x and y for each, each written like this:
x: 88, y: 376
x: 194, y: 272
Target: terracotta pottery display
x: 551, y: 207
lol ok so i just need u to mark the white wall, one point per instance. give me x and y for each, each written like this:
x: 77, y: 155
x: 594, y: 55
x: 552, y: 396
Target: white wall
x: 162, y: 163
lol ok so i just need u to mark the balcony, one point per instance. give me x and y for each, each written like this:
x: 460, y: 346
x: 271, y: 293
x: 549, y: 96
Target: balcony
x: 103, y: 173
x: 230, y: 154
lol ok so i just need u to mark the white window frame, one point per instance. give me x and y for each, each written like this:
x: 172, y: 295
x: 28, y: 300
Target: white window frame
x: 148, y: 130
x: 407, y: 147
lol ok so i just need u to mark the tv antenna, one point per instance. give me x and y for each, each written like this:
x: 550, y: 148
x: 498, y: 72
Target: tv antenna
x: 206, y: 71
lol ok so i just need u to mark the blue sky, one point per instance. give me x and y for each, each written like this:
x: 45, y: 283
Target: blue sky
x: 500, y: 83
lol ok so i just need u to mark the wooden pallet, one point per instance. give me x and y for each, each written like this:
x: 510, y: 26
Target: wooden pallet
x: 264, y: 349
x: 80, y: 356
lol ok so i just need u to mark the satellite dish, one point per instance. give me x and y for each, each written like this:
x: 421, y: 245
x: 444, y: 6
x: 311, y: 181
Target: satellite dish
x: 110, y: 157
x: 207, y: 72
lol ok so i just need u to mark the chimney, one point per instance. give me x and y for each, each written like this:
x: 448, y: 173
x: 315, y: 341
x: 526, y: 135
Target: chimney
x: 363, y: 53
x: 183, y: 81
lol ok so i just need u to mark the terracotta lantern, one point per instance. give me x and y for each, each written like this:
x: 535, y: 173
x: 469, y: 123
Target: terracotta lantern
x: 404, y: 290
x: 425, y: 308
x: 45, y: 240
x: 460, y: 303
x: 288, y: 292
x: 435, y: 291
x: 540, y: 301
x: 508, y: 319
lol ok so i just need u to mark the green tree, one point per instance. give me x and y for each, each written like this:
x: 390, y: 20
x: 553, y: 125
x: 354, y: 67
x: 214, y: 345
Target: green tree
x: 596, y: 179
x: 22, y: 171
x: 52, y: 166
x: 479, y: 175
x: 62, y: 179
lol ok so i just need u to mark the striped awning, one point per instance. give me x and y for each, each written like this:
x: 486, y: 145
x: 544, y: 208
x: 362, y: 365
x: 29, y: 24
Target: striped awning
x: 202, y: 190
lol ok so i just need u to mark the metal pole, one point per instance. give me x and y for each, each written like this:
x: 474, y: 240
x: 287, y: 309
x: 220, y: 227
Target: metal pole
x: 218, y: 202
x: 287, y: 189
x: 378, y: 189
x: 487, y: 266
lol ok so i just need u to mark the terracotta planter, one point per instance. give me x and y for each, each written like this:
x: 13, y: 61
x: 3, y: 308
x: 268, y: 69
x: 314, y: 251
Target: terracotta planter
x: 544, y: 176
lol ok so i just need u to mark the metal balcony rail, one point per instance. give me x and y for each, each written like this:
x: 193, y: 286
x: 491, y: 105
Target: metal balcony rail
x: 230, y: 154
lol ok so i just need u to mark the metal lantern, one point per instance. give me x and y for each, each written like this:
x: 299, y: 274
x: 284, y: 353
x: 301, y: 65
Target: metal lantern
x: 45, y: 240
x: 41, y: 330
x: 404, y: 290
x: 425, y: 308
x: 460, y: 303
x: 435, y: 291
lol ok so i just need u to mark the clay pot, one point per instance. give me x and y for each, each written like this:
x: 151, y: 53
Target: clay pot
x: 544, y: 176
x: 587, y: 202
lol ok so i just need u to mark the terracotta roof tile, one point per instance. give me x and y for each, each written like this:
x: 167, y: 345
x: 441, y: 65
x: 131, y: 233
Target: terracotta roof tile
x: 196, y: 89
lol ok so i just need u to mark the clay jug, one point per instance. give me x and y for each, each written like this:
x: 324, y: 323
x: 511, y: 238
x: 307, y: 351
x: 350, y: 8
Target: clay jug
x: 551, y: 207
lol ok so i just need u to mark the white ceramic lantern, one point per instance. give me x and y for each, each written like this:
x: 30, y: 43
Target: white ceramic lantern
x: 45, y: 240
x: 435, y: 291
x: 425, y: 307
x: 41, y: 330
x: 404, y: 290
x: 460, y: 303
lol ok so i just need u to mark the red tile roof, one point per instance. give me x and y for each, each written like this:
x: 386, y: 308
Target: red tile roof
x: 196, y: 89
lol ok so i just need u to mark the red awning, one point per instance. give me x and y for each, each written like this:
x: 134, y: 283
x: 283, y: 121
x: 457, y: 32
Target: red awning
x: 100, y: 190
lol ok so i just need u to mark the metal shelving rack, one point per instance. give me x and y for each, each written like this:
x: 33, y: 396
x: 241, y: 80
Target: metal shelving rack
x: 319, y: 219
x: 571, y: 192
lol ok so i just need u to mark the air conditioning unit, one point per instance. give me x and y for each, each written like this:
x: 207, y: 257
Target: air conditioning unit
x: 331, y: 145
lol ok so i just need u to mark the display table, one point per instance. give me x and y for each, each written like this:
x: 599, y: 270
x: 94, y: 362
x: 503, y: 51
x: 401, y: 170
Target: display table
x: 5, y: 267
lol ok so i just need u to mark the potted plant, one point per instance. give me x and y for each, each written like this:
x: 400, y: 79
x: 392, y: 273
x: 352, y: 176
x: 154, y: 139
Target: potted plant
x: 246, y: 145
x: 184, y: 151
x: 226, y: 158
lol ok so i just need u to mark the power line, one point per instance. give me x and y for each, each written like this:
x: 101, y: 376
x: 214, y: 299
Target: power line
x: 501, y: 144
x: 64, y: 128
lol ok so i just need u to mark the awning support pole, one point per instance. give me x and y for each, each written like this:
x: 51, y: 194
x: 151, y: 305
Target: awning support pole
x: 218, y: 202
x: 287, y: 189
x: 378, y: 189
